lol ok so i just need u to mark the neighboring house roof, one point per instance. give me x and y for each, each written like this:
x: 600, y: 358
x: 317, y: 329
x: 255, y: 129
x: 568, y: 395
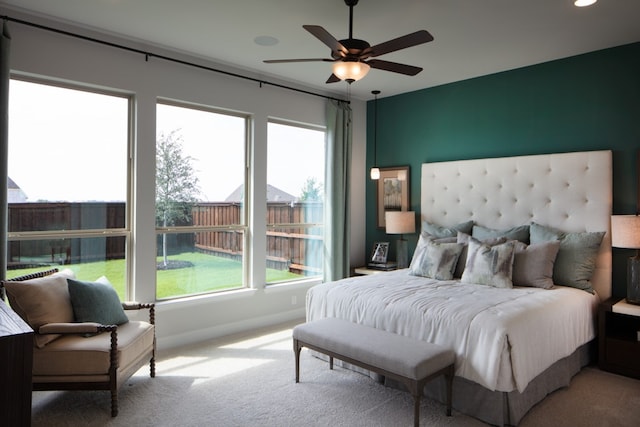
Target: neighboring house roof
x: 14, y: 192
x: 273, y: 195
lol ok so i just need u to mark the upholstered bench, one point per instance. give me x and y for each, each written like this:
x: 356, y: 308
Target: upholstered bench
x: 409, y: 361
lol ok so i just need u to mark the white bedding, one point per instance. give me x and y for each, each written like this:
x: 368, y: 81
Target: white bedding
x: 503, y: 338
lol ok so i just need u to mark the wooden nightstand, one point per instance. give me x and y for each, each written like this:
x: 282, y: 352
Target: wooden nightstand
x: 619, y: 337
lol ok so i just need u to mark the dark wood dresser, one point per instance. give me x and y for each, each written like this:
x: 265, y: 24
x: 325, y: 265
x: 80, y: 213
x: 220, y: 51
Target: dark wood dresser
x: 16, y: 359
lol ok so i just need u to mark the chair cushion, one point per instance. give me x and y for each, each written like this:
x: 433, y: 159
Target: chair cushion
x: 96, y: 302
x: 74, y: 355
x: 41, y: 301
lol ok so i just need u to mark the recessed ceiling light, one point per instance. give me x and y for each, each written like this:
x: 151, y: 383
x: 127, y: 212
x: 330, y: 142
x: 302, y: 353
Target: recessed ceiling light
x: 584, y: 3
x: 266, y: 41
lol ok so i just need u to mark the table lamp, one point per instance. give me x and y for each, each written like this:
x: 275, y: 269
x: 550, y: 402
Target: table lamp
x: 401, y: 222
x: 625, y: 233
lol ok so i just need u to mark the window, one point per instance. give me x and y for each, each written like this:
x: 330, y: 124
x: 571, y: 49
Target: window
x: 68, y: 181
x: 200, y: 192
x: 295, y: 201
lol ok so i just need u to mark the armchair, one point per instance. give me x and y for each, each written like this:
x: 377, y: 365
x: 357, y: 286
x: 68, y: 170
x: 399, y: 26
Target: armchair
x: 72, y: 355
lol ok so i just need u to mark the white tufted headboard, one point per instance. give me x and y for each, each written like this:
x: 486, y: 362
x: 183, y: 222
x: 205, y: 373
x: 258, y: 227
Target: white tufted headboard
x: 569, y: 191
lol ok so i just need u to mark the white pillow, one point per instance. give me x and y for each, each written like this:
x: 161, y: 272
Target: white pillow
x: 434, y: 259
x: 489, y: 265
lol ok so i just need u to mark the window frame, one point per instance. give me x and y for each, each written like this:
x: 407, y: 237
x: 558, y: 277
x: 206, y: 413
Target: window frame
x: 244, y: 227
x: 305, y: 225
x: 19, y: 236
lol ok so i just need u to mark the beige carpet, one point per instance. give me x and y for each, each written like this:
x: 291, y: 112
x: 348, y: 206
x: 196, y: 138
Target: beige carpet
x: 249, y: 381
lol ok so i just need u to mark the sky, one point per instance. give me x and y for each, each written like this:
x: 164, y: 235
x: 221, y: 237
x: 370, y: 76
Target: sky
x: 69, y: 145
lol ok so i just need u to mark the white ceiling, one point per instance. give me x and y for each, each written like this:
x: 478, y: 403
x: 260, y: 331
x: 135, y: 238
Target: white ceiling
x: 472, y: 37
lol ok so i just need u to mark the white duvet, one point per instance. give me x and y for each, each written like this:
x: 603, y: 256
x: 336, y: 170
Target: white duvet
x: 503, y: 338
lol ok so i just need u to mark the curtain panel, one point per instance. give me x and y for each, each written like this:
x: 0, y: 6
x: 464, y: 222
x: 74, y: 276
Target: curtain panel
x: 337, y: 194
x: 5, y: 45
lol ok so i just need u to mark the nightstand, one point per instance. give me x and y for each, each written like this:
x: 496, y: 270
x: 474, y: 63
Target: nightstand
x: 619, y: 337
x: 365, y: 271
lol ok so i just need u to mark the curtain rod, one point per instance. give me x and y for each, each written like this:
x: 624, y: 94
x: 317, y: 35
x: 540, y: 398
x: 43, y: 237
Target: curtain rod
x: 166, y: 58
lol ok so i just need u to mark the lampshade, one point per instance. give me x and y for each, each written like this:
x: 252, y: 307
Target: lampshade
x: 400, y: 222
x: 375, y: 173
x: 350, y: 71
x: 625, y: 231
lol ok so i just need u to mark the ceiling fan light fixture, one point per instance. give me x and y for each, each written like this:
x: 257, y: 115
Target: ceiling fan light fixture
x: 584, y: 3
x: 350, y: 71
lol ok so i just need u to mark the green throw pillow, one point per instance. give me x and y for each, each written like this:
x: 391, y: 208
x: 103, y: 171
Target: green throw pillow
x: 576, y: 259
x: 520, y: 233
x: 96, y: 302
x: 434, y: 230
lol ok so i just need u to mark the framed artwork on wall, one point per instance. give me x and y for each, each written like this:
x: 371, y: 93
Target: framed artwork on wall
x: 392, y: 192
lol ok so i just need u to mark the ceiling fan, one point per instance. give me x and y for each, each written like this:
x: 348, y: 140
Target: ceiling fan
x: 351, y: 57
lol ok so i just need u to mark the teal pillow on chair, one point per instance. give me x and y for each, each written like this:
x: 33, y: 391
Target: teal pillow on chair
x: 96, y: 302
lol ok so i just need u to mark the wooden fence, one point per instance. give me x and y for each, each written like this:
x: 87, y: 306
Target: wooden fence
x: 294, y: 248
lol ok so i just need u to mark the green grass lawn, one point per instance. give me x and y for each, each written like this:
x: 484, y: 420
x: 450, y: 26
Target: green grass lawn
x: 209, y: 273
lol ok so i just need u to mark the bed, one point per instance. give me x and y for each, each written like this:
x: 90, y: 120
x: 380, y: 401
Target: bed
x: 514, y: 345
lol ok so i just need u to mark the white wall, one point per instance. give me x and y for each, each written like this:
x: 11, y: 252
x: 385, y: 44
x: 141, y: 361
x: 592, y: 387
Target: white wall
x: 40, y: 53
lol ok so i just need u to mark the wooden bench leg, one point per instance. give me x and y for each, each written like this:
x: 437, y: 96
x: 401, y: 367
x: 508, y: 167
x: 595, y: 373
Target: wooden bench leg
x: 416, y: 410
x: 449, y: 379
x: 296, y: 351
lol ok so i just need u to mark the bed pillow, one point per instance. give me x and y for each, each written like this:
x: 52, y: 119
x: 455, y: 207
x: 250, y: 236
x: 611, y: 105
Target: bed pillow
x: 576, y: 259
x: 434, y: 230
x: 96, y: 302
x: 41, y: 301
x: 489, y: 265
x: 435, y: 259
x: 533, y: 264
x: 464, y: 239
x: 520, y: 233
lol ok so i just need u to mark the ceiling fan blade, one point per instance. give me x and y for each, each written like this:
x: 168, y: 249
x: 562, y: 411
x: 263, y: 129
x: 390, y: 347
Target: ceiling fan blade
x: 394, y: 67
x: 280, y: 61
x: 403, y: 42
x: 326, y: 38
x: 333, y: 79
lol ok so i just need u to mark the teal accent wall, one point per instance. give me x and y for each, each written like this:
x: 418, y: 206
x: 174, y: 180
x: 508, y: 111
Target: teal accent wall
x: 585, y: 102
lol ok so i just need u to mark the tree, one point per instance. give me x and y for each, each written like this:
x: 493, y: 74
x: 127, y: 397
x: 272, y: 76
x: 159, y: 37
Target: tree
x: 177, y: 186
x: 311, y: 191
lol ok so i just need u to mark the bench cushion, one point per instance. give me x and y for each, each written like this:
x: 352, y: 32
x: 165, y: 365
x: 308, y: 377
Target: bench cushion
x: 408, y: 357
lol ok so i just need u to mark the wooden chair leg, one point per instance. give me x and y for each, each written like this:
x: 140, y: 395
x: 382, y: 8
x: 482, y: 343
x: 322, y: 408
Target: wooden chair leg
x: 114, y: 402
x: 152, y: 367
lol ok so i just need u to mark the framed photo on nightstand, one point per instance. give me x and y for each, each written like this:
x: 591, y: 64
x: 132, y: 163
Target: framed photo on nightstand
x: 379, y: 253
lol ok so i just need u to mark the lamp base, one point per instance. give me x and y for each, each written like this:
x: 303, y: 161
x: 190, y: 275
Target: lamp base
x: 402, y: 254
x: 633, y: 280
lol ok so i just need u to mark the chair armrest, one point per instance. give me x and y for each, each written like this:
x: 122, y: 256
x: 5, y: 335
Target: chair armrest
x: 133, y: 305
x: 75, y: 328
